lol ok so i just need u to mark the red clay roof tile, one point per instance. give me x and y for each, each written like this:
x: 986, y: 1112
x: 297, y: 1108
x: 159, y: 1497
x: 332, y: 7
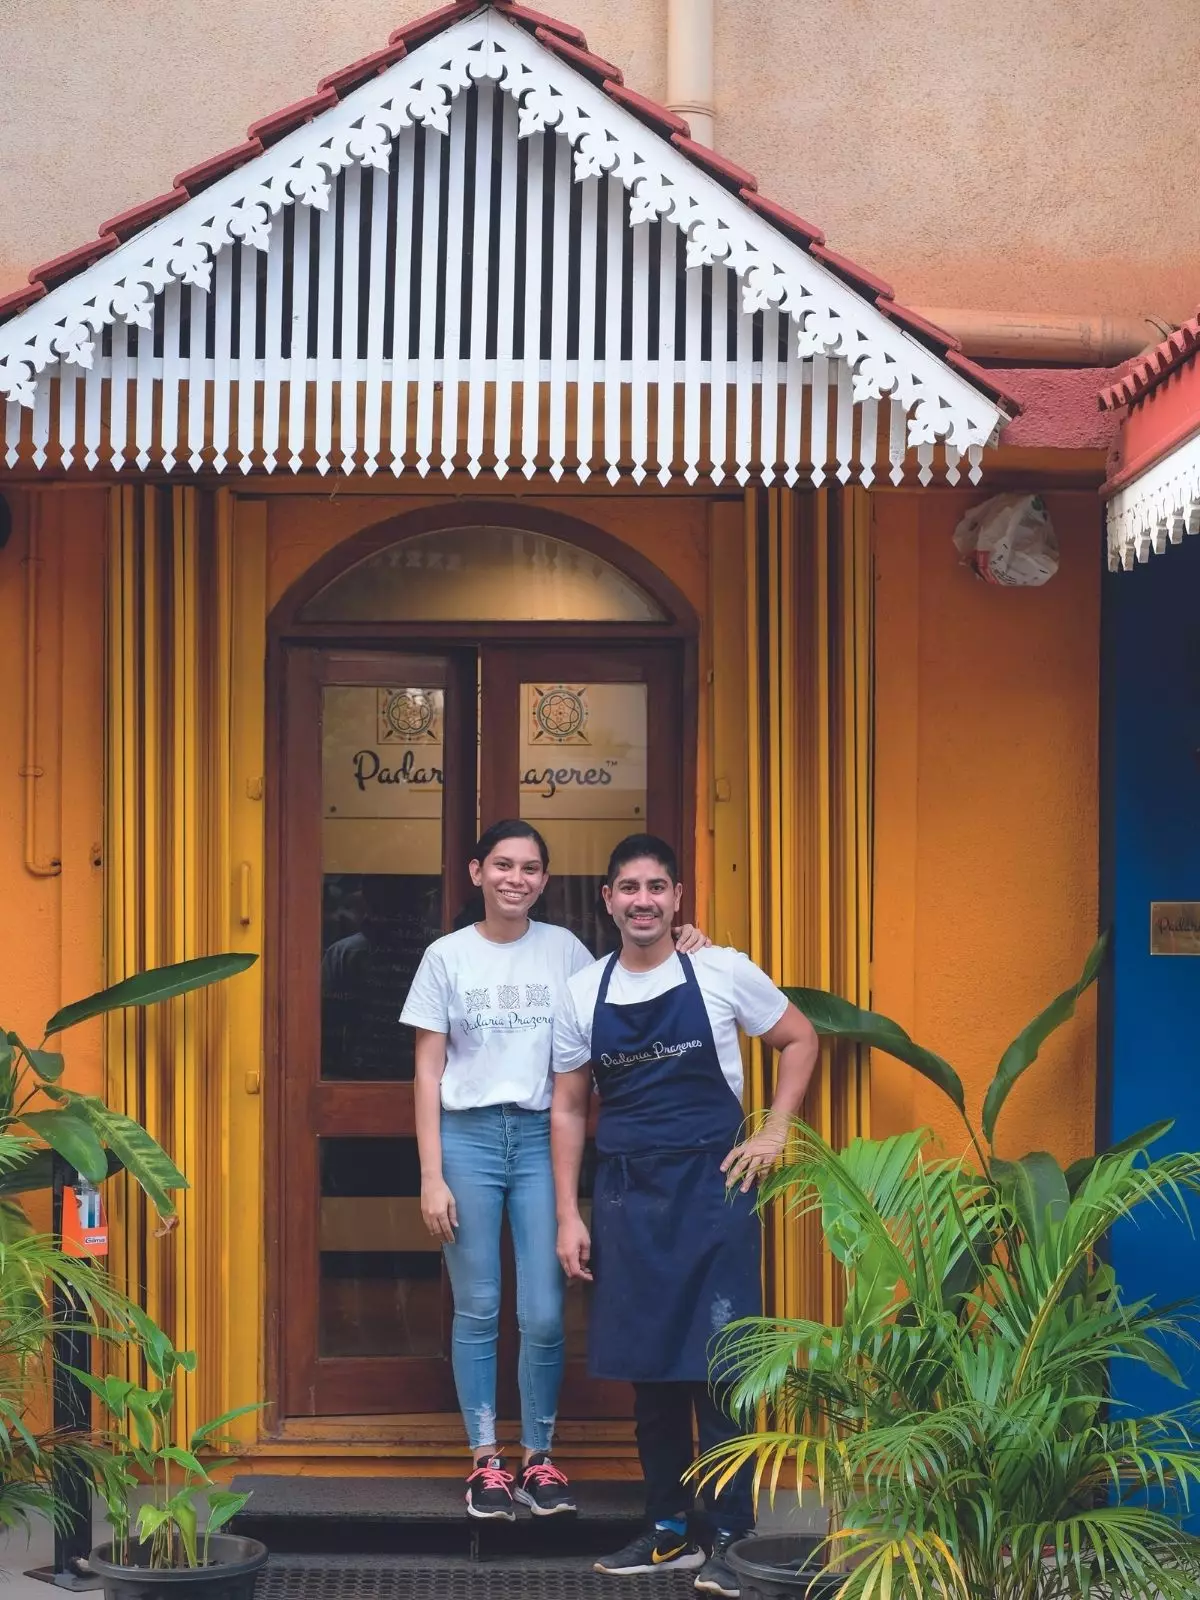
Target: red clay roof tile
x: 20, y: 299
x: 538, y: 19
x: 1150, y: 370
x: 724, y: 171
x: 927, y: 331
x: 592, y: 66
x: 782, y: 218
x: 205, y: 172
x: 648, y: 111
x: 982, y: 379
x: 138, y: 217
x: 358, y: 72
x: 270, y: 129
x: 858, y: 277
x: 414, y: 33
x: 66, y: 266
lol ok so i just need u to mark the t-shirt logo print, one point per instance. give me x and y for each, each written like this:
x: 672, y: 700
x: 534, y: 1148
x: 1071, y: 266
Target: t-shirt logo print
x: 477, y: 1000
x: 508, y: 996
x: 537, y: 994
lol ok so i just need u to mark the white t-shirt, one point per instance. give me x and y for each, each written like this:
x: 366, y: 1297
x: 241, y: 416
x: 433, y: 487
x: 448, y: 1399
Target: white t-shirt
x: 736, y: 994
x: 495, y: 1003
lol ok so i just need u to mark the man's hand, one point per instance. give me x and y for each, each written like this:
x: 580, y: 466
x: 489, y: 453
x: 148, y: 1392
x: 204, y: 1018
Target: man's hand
x: 575, y: 1249
x: 438, y: 1210
x: 689, y: 938
x: 747, y: 1162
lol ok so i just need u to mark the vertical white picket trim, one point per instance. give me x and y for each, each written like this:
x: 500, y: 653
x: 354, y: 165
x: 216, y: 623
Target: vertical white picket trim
x: 298, y: 364
x: 455, y: 266
x: 39, y: 432
x: 480, y: 253
x: 531, y: 365
x: 820, y: 419
x: 327, y: 243
x: 247, y: 344
x: 506, y: 279
x: 272, y: 360
x: 351, y: 251
x: 93, y: 408
x: 744, y: 414
x: 376, y: 273
x: 585, y: 391
x: 426, y: 349
x: 68, y: 401
x: 793, y: 410
x: 925, y: 460
x: 12, y: 432
x: 665, y: 427
x: 868, y: 441
x: 222, y: 358
x: 639, y: 367
x: 897, y: 439
x: 406, y: 155
x: 844, y: 428
x: 559, y: 307
x: 953, y: 457
x: 768, y: 406
x: 169, y: 420
x: 118, y: 393
x: 718, y: 397
x: 143, y: 399
x: 613, y: 294
x: 692, y: 332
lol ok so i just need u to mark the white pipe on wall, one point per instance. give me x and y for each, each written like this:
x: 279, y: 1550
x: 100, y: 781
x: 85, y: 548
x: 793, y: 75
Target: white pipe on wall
x: 690, y: 65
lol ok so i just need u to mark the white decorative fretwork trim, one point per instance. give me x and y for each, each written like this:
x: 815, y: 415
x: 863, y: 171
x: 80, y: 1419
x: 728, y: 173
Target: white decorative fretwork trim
x: 1156, y: 509
x: 775, y: 274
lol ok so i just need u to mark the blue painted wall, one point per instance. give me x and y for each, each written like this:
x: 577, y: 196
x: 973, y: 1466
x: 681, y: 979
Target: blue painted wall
x: 1151, y: 826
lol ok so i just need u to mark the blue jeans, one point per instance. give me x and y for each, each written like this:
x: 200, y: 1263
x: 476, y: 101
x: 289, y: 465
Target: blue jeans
x: 493, y: 1156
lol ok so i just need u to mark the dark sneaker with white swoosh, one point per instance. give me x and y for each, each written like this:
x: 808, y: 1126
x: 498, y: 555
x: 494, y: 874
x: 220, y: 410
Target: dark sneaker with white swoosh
x: 659, y: 1550
x: 490, y: 1492
x: 716, y: 1576
x: 543, y: 1488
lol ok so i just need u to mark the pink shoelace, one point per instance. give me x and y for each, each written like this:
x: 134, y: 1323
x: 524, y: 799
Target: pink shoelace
x: 492, y: 1478
x: 542, y: 1473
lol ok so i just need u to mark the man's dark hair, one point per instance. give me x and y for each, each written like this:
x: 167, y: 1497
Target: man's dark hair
x: 634, y: 848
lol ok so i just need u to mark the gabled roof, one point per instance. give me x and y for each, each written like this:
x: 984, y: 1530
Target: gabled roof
x: 1149, y: 371
x: 289, y: 157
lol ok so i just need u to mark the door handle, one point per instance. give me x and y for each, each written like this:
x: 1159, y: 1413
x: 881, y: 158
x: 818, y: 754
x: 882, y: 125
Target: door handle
x: 243, y: 893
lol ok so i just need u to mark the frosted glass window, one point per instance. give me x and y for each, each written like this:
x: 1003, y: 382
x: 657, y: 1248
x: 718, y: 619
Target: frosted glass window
x: 482, y: 574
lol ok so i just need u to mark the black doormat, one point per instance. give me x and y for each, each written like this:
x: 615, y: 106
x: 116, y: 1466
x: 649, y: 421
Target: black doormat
x: 421, y: 1579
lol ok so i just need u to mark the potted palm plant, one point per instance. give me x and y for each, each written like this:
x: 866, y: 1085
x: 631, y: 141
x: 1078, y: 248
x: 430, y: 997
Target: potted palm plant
x: 958, y: 1418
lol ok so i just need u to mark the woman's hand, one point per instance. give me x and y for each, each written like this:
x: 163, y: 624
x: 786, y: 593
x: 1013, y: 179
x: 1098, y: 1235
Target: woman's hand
x: 747, y: 1162
x: 438, y: 1210
x: 575, y: 1249
x: 689, y: 938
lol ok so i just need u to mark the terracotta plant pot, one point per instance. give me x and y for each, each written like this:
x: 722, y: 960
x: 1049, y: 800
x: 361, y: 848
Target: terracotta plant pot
x: 780, y: 1567
x: 233, y: 1564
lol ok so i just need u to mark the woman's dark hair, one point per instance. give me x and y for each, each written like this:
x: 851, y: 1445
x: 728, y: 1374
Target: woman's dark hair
x: 511, y: 828
x: 634, y: 848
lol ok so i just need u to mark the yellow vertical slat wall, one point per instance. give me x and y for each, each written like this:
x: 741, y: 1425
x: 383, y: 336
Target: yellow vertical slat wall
x: 790, y: 622
x: 185, y: 651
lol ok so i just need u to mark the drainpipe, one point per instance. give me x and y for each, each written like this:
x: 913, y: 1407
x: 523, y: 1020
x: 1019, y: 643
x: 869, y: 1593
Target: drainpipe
x: 31, y: 772
x: 1035, y: 337
x: 690, y: 65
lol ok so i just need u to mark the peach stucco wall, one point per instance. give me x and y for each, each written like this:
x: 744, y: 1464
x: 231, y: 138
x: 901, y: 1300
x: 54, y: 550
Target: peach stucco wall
x: 986, y: 789
x: 1031, y: 157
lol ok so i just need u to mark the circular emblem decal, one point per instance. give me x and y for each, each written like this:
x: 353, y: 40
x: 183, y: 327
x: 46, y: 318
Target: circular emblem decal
x: 409, y: 713
x: 560, y: 713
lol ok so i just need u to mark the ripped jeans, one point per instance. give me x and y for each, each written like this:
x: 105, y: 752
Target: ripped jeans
x: 492, y: 1157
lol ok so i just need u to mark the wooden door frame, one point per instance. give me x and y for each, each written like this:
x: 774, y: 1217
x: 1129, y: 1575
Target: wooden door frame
x: 288, y: 633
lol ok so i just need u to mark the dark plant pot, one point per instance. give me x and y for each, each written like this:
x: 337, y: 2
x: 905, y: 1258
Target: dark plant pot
x: 233, y: 1564
x: 781, y: 1567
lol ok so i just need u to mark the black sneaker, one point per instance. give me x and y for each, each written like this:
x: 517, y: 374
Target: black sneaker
x: 490, y: 1491
x: 543, y: 1488
x: 716, y: 1576
x: 659, y: 1550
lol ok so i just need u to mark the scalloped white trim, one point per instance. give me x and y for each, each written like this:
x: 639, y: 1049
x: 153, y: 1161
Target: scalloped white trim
x: 831, y: 318
x: 1155, y: 509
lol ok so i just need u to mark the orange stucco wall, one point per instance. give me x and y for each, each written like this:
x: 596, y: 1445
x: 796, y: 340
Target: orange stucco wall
x: 983, y: 157
x: 986, y: 854
x: 51, y: 928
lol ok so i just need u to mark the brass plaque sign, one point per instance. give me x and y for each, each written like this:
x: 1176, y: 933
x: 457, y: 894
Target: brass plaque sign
x: 1175, y: 927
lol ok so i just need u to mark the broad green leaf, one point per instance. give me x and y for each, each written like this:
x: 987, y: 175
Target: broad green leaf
x: 48, y: 1064
x: 1079, y: 1170
x: 1023, y: 1051
x: 223, y: 1506
x: 181, y: 1509
x: 836, y: 1018
x: 186, y: 1460
x: 143, y: 1419
x: 112, y: 1392
x: 148, y: 988
x: 140, y: 1154
x: 74, y: 1140
x: 206, y: 1430
x: 5, y: 1051
x: 37, y: 1172
x: 156, y: 1345
x: 1036, y: 1189
x: 14, y: 1224
x: 151, y: 1519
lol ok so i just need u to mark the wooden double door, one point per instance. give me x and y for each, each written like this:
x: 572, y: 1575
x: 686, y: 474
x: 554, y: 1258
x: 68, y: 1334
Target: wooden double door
x: 391, y: 762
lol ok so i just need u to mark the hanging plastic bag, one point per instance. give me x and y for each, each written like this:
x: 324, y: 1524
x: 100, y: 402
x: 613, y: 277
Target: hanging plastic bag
x: 1009, y: 540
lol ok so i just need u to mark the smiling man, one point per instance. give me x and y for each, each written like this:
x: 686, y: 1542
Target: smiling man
x: 675, y: 1246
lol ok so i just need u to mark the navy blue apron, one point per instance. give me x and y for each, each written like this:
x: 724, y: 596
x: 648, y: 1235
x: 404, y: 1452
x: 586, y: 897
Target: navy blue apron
x: 675, y: 1256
